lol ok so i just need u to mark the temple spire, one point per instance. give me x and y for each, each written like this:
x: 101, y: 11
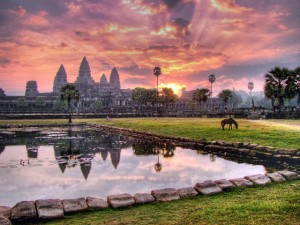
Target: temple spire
x: 103, y: 79
x: 114, y: 78
x: 60, y: 79
x: 84, y: 75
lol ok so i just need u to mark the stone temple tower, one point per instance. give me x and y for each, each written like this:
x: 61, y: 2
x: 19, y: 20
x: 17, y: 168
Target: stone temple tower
x: 84, y: 75
x: 60, y: 79
x: 114, y: 78
x: 31, y: 89
x: 103, y: 80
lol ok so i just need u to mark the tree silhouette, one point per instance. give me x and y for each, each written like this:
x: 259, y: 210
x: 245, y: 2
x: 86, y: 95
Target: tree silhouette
x: 40, y: 101
x: 144, y: 96
x: 69, y: 93
x: 21, y: 102
x: 168, y: 96
x: 290, y: 89
x: 225, y: 95
x: 276, y: 80
x: 201, y: 95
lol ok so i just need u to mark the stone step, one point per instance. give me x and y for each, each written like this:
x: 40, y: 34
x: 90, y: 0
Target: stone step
x: 23, y: 211
x: 49, y: 208
x: 289, y: 175
x: 276, y: 177
x: 224, y: 184
x: 142, y: 198
x: 187, y: 192
x: 121, y: 200
x: 208, y: 188
x: 96, y: 203
x: 74, y: 205
x: 259, y: 179
x: 165, y: 195
x: 241, y: 182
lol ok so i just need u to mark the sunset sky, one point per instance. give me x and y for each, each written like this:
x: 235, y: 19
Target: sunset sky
x: 238, y: 41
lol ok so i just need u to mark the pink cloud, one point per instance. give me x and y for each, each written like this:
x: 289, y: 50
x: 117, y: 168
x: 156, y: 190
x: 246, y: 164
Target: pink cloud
x: 228, y: 6
x: 219, y: 33
x: 37, y: 20
x: 19, y: 11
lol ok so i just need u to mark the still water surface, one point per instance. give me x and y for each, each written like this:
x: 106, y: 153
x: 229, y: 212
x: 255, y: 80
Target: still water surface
x: 79, y: 163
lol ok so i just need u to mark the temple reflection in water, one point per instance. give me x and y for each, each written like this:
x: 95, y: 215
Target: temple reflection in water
x: 71, y: 163
x: 81, y: 147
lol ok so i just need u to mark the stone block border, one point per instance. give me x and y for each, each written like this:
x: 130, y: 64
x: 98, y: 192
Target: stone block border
x: 55, y: 208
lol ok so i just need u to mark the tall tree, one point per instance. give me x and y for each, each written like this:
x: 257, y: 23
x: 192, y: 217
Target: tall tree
x: 144, y: 96
x: 290, y: 88
x: 201, y: 95
x: 21, y: 102
x: 225, y: 95
x: 276, y: 80
x: 40, y: 101
x: 69, y: 93
x: 167, y: 96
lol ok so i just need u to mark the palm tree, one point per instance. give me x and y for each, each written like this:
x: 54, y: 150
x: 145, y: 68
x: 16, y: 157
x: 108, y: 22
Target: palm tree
x: 290, y: 89
x: 275, y: 85
x: 69, y: 93
x: 201, y: 95
x: 225, y: 95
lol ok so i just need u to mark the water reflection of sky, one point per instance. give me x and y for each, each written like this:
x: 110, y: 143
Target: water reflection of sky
x: 43, y: 178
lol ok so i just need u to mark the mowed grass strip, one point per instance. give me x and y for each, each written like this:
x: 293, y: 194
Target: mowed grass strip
x: 280, y: 135
x: 276, y: 203
x: 275, y: 133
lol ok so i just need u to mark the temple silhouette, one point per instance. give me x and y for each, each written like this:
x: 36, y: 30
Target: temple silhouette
x: 108, y: 92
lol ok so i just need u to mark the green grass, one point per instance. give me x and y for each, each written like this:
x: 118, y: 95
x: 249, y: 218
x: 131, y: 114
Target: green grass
x: 275, y: 133
x: 277, y: 203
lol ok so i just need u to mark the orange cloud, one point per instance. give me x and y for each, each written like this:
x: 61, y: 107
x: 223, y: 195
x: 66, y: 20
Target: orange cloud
x: 229, y: 6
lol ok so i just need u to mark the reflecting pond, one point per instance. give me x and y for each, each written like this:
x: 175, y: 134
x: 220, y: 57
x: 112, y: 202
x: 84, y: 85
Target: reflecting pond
x: 79, y: 162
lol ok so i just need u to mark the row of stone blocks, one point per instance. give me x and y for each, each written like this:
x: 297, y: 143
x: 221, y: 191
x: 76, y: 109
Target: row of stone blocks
x: 55, y: 208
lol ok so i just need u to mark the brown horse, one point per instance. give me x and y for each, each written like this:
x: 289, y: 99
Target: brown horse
x: 229, y: 121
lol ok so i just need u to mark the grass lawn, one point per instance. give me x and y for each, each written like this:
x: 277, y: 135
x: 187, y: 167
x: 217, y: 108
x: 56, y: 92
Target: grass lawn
x: 275, y: 133
x: 281, y: 133
x: 277, y: 203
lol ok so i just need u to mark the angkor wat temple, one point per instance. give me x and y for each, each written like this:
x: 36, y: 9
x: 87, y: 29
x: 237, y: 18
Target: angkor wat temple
x: 106, y: 92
